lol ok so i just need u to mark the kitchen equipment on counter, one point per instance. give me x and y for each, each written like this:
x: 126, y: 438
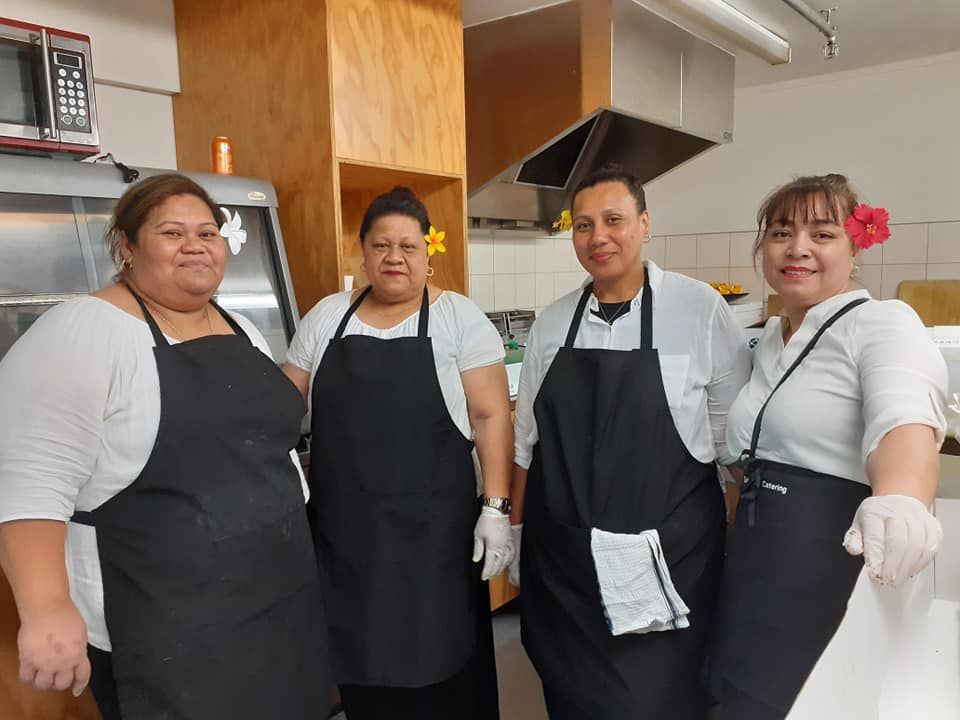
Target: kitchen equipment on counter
x: 47, y: 97
x: 53, y: 214
x: 513, y: 326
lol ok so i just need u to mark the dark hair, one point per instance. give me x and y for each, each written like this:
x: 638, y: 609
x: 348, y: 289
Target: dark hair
x: 612, y: 172
x: 399, y: 201
x: 798, y: 201
x: 139, y: 200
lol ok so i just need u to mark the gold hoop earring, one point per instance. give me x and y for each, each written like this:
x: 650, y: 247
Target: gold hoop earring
x: 430, y: 271
x: 126, y: 264
x: 647, y: 238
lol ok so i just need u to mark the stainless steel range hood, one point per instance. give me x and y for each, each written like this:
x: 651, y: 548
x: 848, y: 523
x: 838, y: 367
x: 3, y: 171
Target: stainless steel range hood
x: 555, y: 93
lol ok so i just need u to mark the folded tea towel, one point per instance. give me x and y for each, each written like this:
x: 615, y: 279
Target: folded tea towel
x: 635, y: 587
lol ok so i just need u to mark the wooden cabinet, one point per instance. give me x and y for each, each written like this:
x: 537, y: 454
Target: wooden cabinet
x: 333, y: 101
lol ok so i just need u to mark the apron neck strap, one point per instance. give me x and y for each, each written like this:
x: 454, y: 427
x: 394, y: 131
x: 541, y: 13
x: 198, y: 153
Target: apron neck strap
x: 424, y: 322
x: 751, y: 454
x: 159, y: 339
x: 228, y: 318
x: 646, y: 314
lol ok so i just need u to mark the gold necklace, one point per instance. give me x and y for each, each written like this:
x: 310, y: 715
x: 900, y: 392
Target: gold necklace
x: 179, y: 335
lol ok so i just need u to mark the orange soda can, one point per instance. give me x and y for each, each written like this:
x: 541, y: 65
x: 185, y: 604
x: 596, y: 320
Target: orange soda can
x: 221, y: 155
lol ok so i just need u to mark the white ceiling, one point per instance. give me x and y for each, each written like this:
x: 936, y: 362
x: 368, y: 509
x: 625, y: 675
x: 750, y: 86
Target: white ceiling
x: 869, y: 32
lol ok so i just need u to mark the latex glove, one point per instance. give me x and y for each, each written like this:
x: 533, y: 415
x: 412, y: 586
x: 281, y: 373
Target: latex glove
x: 897, y: 536
x: 53, y: 649
x: 514, y: 573
x: 493, y: 542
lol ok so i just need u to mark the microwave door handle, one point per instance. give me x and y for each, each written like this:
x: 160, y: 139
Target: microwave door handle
x: 50, y: 130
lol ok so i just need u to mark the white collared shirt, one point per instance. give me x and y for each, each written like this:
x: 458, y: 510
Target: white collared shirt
x: 875, y: 369
x: 704, y: 358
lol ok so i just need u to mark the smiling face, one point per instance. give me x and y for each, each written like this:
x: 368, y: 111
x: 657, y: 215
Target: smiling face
x: 608, y: 230
x: 179, y: 256
x: 807, y: 255
x: 395, y: 257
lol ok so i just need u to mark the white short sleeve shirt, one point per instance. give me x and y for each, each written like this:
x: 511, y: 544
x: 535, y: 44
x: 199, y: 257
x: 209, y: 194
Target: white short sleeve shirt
x: 463, y: 339
x: 79, y: 412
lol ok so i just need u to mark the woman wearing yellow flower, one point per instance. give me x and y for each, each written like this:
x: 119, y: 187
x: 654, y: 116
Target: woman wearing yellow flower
x: 403, y: 378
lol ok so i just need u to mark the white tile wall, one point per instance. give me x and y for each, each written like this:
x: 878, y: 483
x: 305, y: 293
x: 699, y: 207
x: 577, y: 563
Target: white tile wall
x: 943, y: 271
x: 893, y: 275
x: 713, y: 250
x: 907, y: 244
x: 741, y: 249
x: 504, y: 292
x: 713, y: 274
x: 521, y: 270
x: 681, y: 252
x: 748, y: 278
x: 504, y: 255
x: 655, y: 250
x: 871, y: 278
x: 944, y: 243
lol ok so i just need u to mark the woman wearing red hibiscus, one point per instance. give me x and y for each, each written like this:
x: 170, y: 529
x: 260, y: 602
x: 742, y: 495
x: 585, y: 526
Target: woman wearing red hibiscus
x: 838, y: 430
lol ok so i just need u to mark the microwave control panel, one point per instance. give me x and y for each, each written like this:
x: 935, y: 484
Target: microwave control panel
x: 71, y: 96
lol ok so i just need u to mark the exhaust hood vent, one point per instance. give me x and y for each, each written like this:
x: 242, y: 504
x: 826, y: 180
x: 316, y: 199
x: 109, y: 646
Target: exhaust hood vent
x: 590, y: 82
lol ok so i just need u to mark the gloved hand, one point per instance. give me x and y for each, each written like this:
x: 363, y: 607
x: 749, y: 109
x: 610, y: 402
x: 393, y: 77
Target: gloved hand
x: 514, y: 573
x: 493, y: 542
x: 897, y: 536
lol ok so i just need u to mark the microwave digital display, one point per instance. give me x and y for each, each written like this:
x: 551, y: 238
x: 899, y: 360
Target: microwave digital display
x: 67, y: 60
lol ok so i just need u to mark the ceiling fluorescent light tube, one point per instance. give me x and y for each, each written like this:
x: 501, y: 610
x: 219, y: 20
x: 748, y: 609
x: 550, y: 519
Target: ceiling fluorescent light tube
x: 733, y: 25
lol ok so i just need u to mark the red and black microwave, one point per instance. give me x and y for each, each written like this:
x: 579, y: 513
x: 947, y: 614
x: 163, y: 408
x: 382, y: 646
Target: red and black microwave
x: 47, y: 101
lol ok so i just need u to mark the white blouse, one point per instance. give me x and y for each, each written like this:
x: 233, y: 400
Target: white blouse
x: 79, y: 412
x: 875, y: 369
x: 704, y: 359
x: 463, y: 339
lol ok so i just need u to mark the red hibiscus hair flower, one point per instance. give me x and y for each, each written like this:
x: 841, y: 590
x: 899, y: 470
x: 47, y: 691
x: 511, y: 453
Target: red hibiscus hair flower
x: 868, y: 226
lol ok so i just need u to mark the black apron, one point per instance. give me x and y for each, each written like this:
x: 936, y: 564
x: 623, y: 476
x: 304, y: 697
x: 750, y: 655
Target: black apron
x: 788, y: 577
x: 211, y: 594
x: 393, y: 506
x: 610, y: 457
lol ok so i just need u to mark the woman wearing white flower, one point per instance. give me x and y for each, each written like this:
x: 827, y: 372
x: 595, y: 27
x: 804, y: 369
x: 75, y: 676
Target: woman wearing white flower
x: 149, y: 501
x: 839, y: 429
x: 403, y: 378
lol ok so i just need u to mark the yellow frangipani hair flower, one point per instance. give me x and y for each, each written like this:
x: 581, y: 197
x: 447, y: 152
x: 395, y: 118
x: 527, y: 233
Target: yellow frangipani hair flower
x: 564, y: 222
x: 435, y: 241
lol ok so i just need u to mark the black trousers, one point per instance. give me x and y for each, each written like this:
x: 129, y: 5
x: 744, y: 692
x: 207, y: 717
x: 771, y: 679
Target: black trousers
x: 471, y: 694
x: 102, y: 684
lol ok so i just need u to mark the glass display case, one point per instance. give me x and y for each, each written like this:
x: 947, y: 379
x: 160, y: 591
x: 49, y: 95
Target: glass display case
x: 53, y: 214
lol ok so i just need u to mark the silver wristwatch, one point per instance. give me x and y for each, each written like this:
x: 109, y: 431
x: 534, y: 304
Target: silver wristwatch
x: 498, y: 503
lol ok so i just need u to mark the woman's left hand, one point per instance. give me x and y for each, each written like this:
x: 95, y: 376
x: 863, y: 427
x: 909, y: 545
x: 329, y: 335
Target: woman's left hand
x: 493, y: 541
x: 897, y: 536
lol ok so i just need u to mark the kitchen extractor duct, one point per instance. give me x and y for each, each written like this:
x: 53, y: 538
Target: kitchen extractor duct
x: 556, y: 93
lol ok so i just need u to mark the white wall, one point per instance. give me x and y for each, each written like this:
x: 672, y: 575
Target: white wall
x: 894, y: 130
x: 135, y: 66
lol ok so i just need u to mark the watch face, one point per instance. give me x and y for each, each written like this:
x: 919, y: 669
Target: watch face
x: 501, y: 504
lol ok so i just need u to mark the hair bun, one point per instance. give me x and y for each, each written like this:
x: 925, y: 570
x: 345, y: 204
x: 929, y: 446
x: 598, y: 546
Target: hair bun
x: 402, y: 192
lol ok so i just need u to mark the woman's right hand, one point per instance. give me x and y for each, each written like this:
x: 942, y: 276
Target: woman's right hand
x: 53, y: 648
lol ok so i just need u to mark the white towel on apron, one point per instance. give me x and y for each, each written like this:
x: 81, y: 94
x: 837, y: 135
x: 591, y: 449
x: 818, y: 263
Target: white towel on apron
x: 635, y: 586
